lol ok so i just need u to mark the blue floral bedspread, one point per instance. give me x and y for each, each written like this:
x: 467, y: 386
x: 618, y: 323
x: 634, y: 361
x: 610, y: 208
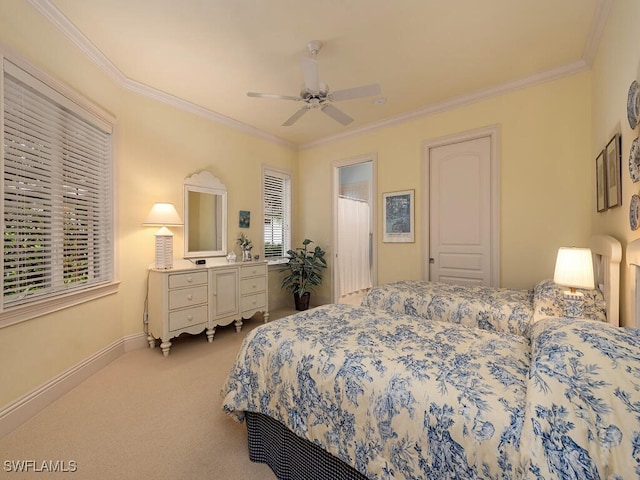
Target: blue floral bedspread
x: 393, y: 397
x: 400, y: 398
x: 582, y: 417
x: 495, y: 309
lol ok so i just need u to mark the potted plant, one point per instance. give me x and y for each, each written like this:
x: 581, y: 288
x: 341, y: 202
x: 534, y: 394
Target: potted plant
x: 304, y: 272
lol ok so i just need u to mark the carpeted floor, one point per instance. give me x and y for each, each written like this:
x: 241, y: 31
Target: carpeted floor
x: 143, y: 416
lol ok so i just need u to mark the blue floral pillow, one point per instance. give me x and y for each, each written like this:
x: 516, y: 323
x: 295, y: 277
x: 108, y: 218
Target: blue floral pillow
x: 548, y: 301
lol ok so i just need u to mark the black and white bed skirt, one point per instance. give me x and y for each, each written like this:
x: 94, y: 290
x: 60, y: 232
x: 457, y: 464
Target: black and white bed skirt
x: 291, y: 457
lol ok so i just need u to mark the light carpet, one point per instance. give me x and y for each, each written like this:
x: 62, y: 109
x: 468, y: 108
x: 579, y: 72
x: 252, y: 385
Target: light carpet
x: 143, y: 416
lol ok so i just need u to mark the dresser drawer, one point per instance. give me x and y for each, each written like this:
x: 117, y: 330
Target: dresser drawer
x: 253, y: 285
x: 187, y: 317
x: 253, y: 270
x: 178, y: 280
x: 251, y: 302
x: 186, y: 297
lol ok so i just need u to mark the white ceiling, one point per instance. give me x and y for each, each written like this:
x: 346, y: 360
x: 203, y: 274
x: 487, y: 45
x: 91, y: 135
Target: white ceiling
x: 425, y: 54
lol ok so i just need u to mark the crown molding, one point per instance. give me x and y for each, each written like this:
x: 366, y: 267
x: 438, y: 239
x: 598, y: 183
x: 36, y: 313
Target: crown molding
x: 542, y: 77
x: 51, y: 13
x: 603, y: 7
x: 47, y: 9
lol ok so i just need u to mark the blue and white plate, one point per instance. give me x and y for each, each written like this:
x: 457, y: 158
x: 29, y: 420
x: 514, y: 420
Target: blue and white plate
x: 634, y: 160
x: 634, y: 212
x: 633, y: 105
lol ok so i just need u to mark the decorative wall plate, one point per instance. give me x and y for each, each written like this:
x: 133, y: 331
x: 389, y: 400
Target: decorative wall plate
x: 634, y: 212
x: 633, y: 104
x: 634, y: 160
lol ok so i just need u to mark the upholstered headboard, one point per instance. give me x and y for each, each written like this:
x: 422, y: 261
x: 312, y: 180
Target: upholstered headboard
x: 633, y: 262
x: 607, y: 255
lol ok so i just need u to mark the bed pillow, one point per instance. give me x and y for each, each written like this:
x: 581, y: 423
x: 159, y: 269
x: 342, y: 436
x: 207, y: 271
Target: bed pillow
x: 548, y: 301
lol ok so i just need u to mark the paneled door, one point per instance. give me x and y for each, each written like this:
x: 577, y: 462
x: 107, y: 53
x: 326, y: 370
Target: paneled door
x: 462, y: 215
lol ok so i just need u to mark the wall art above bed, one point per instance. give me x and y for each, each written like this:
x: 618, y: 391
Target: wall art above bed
x: 608, y: 175
x: 612, y: 160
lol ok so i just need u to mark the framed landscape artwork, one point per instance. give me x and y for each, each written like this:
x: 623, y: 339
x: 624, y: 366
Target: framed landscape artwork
x: 398, y: 213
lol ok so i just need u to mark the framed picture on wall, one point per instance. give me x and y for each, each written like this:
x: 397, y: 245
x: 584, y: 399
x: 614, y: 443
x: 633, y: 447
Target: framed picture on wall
x: 245, y: 219
x: 601, y: 183
x: 612, y: 164
x: 398, y: 213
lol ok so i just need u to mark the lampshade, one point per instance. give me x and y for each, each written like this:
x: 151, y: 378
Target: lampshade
x: 574, y: 268
x: 162, y: 215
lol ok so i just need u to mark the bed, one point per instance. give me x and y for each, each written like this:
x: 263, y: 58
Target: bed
x: 352, y: 392
x: 504, y: 309
x: 390, y: 395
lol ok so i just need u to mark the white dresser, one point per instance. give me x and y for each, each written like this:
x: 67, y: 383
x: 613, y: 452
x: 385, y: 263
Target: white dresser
x: 192, y: 298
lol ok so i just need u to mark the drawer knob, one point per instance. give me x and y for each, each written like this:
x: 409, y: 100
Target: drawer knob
x: 254, y: 286
x: 189, y: 297
x: 189, y: 279
x: 190, y: 318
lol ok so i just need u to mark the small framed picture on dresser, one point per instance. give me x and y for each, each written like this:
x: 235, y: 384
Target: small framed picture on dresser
x: 612, y: 163
x: 601, y: 183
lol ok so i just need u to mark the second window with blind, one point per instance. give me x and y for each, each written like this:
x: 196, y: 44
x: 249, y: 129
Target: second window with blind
x: 276, y: 198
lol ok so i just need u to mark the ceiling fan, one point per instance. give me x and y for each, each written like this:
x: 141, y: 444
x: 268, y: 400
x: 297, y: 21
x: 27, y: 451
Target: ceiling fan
x: 316, y: 94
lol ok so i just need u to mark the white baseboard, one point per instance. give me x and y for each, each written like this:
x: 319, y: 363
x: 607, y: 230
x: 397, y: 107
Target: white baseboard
x: 20, y: 410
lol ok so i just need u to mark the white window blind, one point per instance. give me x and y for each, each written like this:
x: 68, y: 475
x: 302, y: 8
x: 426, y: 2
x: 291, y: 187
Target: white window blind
x: 277, y: 213
x: 57, y: 193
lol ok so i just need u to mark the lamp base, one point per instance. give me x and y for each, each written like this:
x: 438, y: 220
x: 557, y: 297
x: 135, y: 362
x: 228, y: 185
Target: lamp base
x: 573, y: 304
x: 164, y: 251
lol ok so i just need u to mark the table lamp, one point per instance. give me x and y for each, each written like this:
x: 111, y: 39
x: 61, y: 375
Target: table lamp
x: 574, y: 269
x: 163, y: 215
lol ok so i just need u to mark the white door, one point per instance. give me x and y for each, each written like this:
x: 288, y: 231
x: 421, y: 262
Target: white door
x: 460, y: 213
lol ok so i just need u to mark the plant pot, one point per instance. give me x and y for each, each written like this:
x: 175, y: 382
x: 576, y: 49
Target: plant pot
x: 302, y: 301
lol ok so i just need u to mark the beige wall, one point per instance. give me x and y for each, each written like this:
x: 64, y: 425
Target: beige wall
x: 545, y: 177
x: 159, y: 146
x: 616, y: 65
x: 37, y: 350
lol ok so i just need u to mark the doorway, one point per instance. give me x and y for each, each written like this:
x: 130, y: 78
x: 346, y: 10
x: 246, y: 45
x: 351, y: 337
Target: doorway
x: 461, y: 209
x: 354, y: 219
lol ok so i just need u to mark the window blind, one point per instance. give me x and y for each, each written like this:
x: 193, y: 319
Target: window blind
x: 57, y: 193
x: 277, y: 213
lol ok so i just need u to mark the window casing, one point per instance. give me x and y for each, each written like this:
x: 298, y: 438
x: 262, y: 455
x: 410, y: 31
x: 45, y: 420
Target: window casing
x: 276, y: 188
x: 57, y: 200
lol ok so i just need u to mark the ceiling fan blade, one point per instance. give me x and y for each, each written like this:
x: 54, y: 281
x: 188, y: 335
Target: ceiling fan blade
x: 273, y: 95
x: 310, y: 74
x: 356, y: 92
x: 294, y: 118
x: 336, y: 114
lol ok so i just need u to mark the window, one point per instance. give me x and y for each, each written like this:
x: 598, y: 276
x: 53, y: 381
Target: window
x: 276, y: 191
x: 57, y: 195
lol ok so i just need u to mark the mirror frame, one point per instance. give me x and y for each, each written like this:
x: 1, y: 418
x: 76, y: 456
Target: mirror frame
x: 205, y: 182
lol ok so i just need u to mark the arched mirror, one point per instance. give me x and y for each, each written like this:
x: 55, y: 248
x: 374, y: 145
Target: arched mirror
x: 205, y: 216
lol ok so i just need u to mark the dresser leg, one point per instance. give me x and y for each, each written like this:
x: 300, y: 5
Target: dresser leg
x: 238, y: 324
x: 265, y: 316
x: 210, y: 333
x: 165, y: 346
x: 152, y: 341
